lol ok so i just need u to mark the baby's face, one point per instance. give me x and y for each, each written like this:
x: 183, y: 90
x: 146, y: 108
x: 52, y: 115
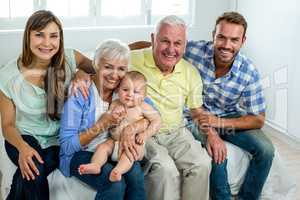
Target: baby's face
x: 131, y: 93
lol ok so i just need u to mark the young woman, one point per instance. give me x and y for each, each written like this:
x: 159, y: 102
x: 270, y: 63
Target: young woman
x: 32, y: 93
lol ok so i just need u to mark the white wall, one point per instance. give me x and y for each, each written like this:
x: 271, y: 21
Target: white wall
x: 206, y: 15
x: 87, y: 39
x: 273, y: 43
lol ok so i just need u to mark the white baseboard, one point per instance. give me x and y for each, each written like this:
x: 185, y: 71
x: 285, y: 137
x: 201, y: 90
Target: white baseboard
x: 273, y: 129
x: 275, y: 126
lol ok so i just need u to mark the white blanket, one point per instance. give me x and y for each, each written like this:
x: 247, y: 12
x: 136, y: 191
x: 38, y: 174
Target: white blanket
x: 279, y: 185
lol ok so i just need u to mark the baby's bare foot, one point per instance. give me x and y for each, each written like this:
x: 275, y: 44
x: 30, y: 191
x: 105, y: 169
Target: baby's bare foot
x: 115, y: 176
x: 91, y: 168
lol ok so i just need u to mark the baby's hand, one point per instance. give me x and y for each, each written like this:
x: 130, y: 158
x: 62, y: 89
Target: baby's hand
x: 118, y: 113
x: 141, y: 138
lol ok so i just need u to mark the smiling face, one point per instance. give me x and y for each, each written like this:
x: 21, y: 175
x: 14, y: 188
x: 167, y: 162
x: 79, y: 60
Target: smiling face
x: 44, y: 44
x: 111, y: 72
x: 132, y: 92
x: 227, y: 41
x: 168, y: 46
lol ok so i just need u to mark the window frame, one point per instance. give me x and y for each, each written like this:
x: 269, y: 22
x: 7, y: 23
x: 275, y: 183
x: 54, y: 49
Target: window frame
x: 95, y: 19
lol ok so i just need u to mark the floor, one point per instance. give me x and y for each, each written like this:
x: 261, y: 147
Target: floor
x: 289, y: 149
x: 0, y: 184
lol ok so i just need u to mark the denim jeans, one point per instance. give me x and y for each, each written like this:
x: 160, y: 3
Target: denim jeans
x: 131, y: 186
x: 38, y: 188
x: 261, y: 149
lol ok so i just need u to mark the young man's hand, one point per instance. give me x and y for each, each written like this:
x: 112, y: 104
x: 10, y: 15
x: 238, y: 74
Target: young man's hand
x: 216, y: 148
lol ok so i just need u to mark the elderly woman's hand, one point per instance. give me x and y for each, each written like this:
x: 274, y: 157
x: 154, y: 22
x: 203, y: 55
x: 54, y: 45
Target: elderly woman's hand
x: 81, y: 81
x: 128, y: 144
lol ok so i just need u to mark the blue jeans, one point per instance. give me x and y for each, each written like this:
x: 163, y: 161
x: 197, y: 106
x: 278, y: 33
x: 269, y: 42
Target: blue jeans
x: 34, y: 189
x: 254, y: 142
x: 131, y: 186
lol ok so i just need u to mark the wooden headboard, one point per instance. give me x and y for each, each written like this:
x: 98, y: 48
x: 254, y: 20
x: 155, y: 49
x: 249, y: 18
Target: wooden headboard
x: 139, y: 45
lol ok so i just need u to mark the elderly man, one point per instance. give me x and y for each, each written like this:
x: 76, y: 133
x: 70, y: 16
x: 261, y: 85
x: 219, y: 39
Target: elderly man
x: 235, y: 105
x: 179, y: 167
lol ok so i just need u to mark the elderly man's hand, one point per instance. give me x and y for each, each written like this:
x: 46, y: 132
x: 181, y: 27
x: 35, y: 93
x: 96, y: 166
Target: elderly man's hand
x: 209, y: 119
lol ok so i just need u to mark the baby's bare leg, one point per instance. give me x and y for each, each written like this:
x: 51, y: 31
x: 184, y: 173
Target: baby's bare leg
x: 123, y: 166
x: 99, y: 158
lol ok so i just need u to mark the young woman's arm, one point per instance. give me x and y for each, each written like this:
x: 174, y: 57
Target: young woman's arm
x: 13, y: 136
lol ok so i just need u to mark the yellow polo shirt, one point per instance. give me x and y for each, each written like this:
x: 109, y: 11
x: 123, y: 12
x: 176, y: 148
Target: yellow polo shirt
x: 170, y: 93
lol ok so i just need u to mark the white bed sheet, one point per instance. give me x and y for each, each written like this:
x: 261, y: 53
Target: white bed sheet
x: 279, y: 185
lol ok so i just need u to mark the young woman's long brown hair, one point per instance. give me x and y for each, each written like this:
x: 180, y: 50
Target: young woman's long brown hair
x: 55, y: 76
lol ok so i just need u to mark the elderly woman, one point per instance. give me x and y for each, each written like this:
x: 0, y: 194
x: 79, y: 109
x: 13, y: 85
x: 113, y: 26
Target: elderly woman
x: 85, y: 122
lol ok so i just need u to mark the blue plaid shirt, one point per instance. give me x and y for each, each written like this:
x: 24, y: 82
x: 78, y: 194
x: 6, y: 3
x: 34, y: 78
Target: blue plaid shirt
x: 237, y: 92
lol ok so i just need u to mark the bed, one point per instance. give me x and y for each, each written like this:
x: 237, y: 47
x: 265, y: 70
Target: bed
x: 279, y: 184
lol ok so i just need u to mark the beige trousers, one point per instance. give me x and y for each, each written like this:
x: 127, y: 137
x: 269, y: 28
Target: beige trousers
x: 178, y: 167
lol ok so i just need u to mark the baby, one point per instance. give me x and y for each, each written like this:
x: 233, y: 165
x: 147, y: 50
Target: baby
x: 131, y: 92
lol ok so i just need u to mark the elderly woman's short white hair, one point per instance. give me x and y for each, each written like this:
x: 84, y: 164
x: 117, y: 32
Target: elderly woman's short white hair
x: 171, y: 20
x: 111, y: 49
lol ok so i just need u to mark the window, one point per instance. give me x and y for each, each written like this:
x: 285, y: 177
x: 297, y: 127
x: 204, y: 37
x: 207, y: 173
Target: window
x: 120, y: 8
x: 68, y: 8
x: 15, y: 8
x: 84, y: 13
x: 182, y: 8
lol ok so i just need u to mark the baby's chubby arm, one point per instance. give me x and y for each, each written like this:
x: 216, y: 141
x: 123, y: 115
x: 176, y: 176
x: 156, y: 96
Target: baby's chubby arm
x: 118, y: 111
x: 155, y: 123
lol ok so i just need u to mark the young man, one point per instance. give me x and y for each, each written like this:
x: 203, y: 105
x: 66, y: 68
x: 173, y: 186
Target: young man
x: 178, y: 165
x: 234, y: 105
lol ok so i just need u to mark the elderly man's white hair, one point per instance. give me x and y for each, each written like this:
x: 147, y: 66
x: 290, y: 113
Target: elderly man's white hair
x: 111, y: 49
x: 172, y: 20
